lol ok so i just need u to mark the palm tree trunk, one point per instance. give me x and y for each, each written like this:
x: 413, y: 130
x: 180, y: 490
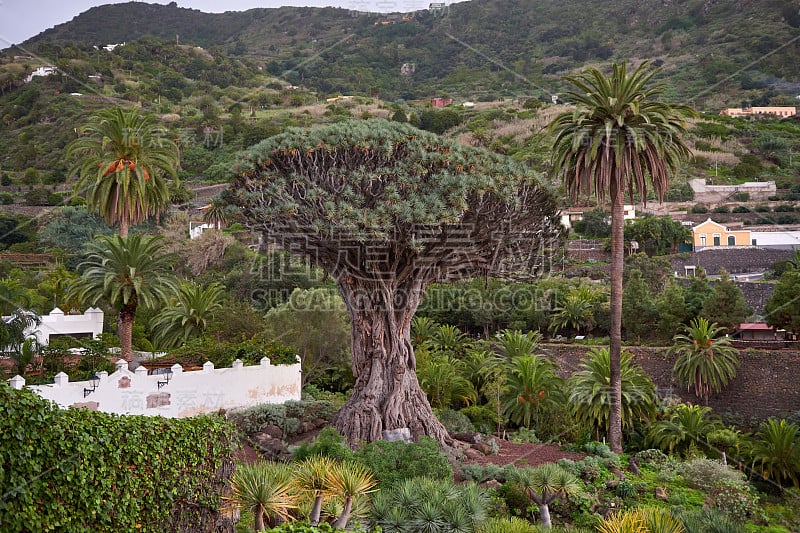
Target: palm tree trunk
x: 126, y: 333
x: 124, y: 222
x: 615, y: 334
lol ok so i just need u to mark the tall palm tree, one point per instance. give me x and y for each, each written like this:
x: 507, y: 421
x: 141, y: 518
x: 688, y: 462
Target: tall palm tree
x: 775, y: 452
x: 618, y: 139
x: 187, y: 314
x: 12, y: 338
x: 126, y: 272
x: 706, y: 359
x: 546, y: 483
x: 123, y: 165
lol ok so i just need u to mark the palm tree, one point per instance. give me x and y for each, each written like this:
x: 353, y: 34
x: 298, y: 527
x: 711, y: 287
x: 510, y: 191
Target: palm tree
x: 13, y: 341
x: 533, y: 388
x: 686, y: 427
x: 127, y: 272
x: 589, y: 397
x: 513, y: 343
x: 442, y: 377
x: 544, y: 484
x: 706, y: 359
x: 265, y: 489
x: 349, y: 480
x: 188, y: 314
x: 122, y: 166
x: 775, y: 452
x: 573, y: 313
x: 619, y: 138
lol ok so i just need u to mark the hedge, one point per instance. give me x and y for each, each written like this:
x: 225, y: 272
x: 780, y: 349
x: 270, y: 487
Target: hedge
x: 79, y: 470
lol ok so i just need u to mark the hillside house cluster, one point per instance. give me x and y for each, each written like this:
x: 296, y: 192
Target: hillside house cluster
x: 570, y: 215
x: 710, y: 234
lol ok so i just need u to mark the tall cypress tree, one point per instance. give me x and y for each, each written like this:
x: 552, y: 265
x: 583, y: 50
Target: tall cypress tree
x: 725, y: 305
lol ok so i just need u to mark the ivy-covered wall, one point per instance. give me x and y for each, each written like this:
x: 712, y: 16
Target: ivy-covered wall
x: 80, y: 471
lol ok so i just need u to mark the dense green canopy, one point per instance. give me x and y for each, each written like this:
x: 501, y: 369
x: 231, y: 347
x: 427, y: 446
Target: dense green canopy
x: 369, y: 196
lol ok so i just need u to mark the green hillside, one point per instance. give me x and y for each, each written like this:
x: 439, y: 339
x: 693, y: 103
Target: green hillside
x: 714, y: 52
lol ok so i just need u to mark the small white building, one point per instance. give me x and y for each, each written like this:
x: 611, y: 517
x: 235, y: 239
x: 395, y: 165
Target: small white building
x: 570, y: 215
x: 41, y: 71
x: 57, y: 324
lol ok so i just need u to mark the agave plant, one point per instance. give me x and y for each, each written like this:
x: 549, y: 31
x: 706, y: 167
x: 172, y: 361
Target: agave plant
x: 265, y: 489
x: 710, y: 521
x: 430, y: 506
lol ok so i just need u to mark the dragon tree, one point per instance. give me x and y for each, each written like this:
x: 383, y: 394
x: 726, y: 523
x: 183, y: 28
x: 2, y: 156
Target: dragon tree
x: 385, y: 210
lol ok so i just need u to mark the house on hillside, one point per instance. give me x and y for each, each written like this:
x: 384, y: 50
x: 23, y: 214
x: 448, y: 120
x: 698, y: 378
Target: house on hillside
x: 760, y: 112
x: 441, y: 102
x: 757, y: 190
x: 570, y: 215
x: 710, y: 234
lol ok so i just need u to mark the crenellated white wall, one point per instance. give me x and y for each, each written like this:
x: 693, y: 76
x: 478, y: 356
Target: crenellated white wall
x: 184, y: 394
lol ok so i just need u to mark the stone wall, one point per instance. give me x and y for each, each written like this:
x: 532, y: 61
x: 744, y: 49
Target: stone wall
x: 765, y: 384
x: 735, y: 260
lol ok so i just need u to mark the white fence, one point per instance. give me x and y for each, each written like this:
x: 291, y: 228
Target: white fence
x: 175, y: 394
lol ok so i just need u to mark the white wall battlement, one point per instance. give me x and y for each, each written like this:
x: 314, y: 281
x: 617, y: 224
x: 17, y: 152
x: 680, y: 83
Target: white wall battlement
x: 176, y: 395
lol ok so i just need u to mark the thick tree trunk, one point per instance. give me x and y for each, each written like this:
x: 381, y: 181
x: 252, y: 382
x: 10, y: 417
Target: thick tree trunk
x: 126, y: 333
x: 316, y: 510
x: 259, y: 518
x: 386, y: 394
x: 615, y: 334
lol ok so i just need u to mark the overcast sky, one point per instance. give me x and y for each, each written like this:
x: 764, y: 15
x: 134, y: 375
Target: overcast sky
x: 22, y: 19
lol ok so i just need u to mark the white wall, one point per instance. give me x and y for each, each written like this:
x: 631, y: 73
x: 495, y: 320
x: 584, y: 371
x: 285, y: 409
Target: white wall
x: 57, y: 323
x: 186, y: 394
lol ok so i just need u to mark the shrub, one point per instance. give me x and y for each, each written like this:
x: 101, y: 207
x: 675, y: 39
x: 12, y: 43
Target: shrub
x: 699, y: 209
x: 710, y: 521
x: 483, y: 418
x: 761, y: 208
x: 626, y: 489
x: 393, y: 462
x: 598, y: 448
x: 430, y: 505
x: 783, y: 208
x: 454, y: 421
x: 740, y: 209
x: 705, y: 474
x: 328, y: 443
x: 722, y: 209
x: 735, y: 499
x: 102, y: 472
x: 742, y: 196
x: 653, y: 457
x: 6, y: 198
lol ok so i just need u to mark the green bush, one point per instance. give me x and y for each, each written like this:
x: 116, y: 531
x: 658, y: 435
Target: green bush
x: 722, y: 209
x: 393, y: 462
x: 82, y: 471
x: 328, y: 443
x: 740, y: 209
x: 483, y: 418
x: 454, y: 421
x: 6, y: 198
x: 699, y: 209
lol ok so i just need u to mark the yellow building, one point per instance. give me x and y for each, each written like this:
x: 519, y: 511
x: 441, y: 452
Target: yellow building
x: 712, y: 234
